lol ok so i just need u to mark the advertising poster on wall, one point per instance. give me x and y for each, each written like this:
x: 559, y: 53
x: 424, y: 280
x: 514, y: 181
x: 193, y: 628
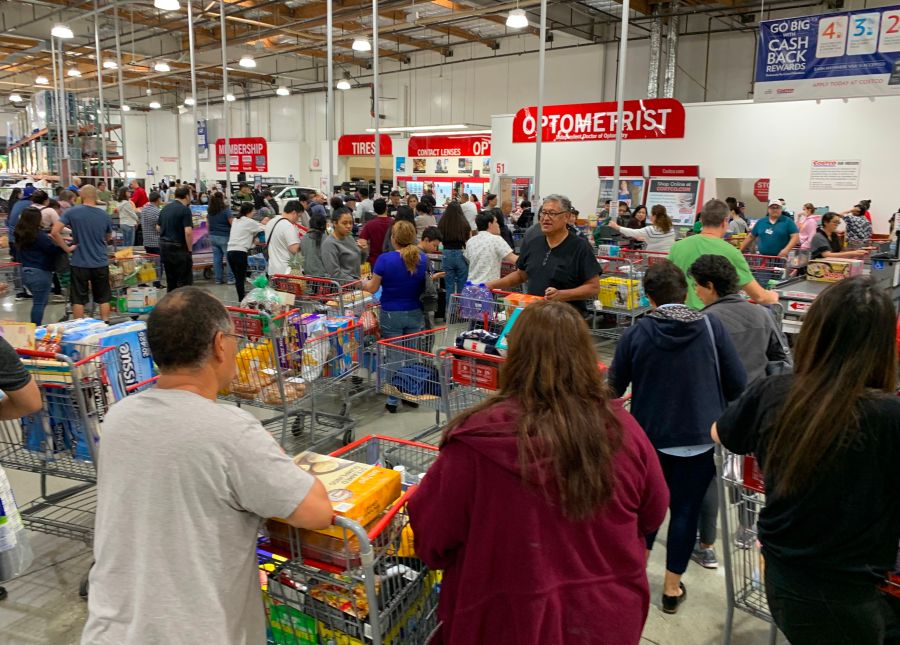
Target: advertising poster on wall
x: 465, y: 165
x: 834, y: 174
x: 442, y: 166
x: 681, y: 198
x: 399, y: 164
x: 853, y: 53
x: 630, y: 189
x: 419, y: 166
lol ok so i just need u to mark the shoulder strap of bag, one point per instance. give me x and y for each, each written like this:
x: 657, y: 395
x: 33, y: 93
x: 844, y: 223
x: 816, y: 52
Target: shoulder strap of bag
x: 712, y: 340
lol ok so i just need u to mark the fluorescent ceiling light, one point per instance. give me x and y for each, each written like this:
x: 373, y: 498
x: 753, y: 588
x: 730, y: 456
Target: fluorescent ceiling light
x: 229, y: 97
x: 42, y: 80
x: 423, y: 128
x: 189, y: 101
x: 15, y: 98
x: 62, y: 31
x: 125, y: 108
x: 361, y: 44
x: 517, y: 19
x: 167, y: 5
x: 74, y: 72
x: 154, y: 105
x: 162, y: 66
x: 247, y: 61
x: 282, y: 91
x: 343, y: 84
x: 451, y: 133
x: 110, y: 64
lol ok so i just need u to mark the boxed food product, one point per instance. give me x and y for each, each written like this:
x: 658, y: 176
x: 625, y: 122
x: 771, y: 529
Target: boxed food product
x: 833, y: 270
x: 622, y: 293
x: 141, y: 299
x: 343, y: 346
x: 357, y: 491
x: 18, y: 334
x: 514, y: 300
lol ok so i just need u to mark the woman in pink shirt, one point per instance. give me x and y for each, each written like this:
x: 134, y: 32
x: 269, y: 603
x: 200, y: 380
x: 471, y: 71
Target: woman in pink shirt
x: 809, y: 222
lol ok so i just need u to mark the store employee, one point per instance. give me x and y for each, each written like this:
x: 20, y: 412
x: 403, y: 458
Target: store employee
x: 776, y: 234
x: 558, y: 265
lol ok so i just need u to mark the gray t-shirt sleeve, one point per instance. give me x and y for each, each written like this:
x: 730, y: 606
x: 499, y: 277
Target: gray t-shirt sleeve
x: 13, y: 375
x: 264, y: 480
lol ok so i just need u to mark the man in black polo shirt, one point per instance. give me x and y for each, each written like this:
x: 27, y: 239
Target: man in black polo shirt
x: 558, y: 264
x: 176, y: 233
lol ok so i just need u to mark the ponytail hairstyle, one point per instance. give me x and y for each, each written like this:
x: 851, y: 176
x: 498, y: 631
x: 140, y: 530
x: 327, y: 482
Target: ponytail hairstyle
x: 404, y: 234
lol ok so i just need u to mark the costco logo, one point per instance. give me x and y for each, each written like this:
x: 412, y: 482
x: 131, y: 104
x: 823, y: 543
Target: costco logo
x: 825, y: 164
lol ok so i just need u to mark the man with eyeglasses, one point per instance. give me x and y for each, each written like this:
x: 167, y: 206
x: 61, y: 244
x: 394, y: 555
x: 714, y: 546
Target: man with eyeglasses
x: 188, y: 481
x: 558, y: 265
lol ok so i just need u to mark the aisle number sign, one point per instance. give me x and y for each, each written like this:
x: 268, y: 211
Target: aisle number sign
x: 833, y: 55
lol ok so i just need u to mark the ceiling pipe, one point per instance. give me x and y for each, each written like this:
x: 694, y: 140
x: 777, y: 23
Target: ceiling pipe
x: 671, y: 56
x: 655, y: 51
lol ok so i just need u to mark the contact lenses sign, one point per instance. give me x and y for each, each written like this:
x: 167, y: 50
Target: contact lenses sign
x: 642, y: 119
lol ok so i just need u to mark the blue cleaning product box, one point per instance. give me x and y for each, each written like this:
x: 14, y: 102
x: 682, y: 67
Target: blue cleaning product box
x: 132, y: 351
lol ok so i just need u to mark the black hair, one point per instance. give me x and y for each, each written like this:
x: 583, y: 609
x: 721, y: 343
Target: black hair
x: 303, y: 197
x: 243, y: 184
x: 182, y: 191
x: 432, y: 233
x: 716, y: 270
x: 484, y: 219
x: 153, y: 196
x: 182, y: 326
x: 39, y: 196
x: 317, y: 225
x: 363, y: 192
x: 336, y: 203
x: 405, y: 214
x: 123, y: 194
x: 245, y: 209
x: 395, y: 193
x: 454, y: 225
x: 665, y: 283
x: 26, y: 231
x: 422, y: 207
x: 293, y: 206
x: 380, y: 206
x: 525, y: 204
x: 489, y: 197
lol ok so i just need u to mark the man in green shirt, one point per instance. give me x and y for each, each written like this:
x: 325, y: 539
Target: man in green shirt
x: 714, y: 221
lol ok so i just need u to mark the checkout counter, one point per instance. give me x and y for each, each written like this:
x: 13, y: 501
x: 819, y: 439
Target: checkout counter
x: 796, y: 294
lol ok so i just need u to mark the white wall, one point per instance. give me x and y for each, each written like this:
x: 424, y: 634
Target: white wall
x: 736, y: 139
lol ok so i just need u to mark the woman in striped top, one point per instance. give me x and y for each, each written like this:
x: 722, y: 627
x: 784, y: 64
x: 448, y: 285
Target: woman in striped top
x: 659, y: 236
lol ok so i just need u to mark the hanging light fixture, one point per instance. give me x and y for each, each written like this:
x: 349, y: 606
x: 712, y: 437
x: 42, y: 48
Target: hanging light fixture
x: 154, y: 105
x: 125, y: 108
x: 247, y: 61
x: 162, y: 66
x: 61, y: 31
x: 42, y: 80
x: 344, y: 83
x: 517, y: 19
x: 230, y: 97
x: 361, y: 44
x: 15, y: 98
x: 283, y: 91
x: 109, y: 63
x: 74, y: 72
x: 167, y: 5
x: 189, y: 101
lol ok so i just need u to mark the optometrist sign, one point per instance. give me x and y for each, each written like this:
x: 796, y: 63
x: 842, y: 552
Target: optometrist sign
x: 835, y: 55
x: 643, y: 119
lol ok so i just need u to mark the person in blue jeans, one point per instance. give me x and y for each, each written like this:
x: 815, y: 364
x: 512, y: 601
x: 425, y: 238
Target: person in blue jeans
x: 218, y: 218
x: 401, y: 277
x: 455, y: 229
x: 37, y: 254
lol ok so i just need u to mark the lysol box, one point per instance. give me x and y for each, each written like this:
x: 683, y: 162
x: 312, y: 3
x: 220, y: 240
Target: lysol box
x: 828, y: 270
x: 357, y: 491
x: 312, y: 325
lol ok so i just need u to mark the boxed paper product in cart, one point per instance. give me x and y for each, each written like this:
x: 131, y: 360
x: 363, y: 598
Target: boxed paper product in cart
x: 828, y: 270
x: 357, y: 491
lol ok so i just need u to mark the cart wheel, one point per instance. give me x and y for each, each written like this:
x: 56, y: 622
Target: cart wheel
x: 348, y: 437
x: 207, y: 273
x: 83, y: 588
x: 298, y: 425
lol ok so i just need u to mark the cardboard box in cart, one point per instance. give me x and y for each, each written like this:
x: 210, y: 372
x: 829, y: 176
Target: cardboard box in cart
x: 828, y: 270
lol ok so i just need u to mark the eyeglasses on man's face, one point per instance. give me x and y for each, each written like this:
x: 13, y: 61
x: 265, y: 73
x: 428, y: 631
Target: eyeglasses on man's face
x: 553, y: 214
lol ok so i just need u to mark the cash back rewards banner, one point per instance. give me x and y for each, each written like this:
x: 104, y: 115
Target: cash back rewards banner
x: 834, y: 55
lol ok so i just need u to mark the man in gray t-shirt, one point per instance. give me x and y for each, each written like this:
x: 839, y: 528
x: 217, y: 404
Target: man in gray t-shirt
x: 183, y: 484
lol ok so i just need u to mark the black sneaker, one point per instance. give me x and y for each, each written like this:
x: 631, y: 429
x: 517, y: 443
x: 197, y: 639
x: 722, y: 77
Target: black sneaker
x: 391, y: 407
x: 670, y: 604
x: 23, y: 295
x: 3, y: 593
x: 409, y: 404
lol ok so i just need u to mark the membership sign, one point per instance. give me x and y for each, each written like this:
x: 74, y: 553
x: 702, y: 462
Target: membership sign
x: 835, y: 55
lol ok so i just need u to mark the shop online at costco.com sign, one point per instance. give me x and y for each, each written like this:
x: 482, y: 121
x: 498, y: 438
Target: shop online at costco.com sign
x: 643, y: 119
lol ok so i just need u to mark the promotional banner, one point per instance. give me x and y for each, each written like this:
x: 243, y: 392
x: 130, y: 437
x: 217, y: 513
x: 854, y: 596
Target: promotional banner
x: 203, y: 140
x: 631, y: 192
x: 643, y: 119
x: 246, y: 154
x: 363, y: 145
x: 834, y: 174
x: 450, y: 146
x: 681, y: 197
x: 854, y: 53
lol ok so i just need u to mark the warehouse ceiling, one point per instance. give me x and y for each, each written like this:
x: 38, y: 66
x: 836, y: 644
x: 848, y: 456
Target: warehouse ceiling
x: 287, y: 39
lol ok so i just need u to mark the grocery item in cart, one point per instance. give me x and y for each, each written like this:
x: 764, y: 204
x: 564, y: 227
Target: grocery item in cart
x: 263, y: 298
x: 359, y: 492
x: 476, y: 298
x: 478, y: 340
x: 621, y: 293
x: 515, y: 300
x: 132, y: 348
x: 18, y: 334
x: 833, y: 270
x: 16, y: 555
x: 416, y: 381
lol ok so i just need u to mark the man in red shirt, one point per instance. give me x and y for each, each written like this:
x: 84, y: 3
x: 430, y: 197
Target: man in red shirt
x: 375, y: 230
x: 138, y: 195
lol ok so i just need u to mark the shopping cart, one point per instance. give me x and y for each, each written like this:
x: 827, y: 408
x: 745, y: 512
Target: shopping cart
x: 324, y: 295
x: 642, y: 260
x: 10, y: 277
x: 468, y: 378
x: 620, y: 299
x: 138, y: 270
x: 282, y: 369
x: 766, y: 267
x: 741, y: 498
x: 370, y: 588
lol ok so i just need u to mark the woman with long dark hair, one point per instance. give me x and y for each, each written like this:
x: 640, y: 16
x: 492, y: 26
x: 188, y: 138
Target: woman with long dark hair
x: 244, y: 230
x: 540, y: 498
x: 311, y: 246
x: 826, y: 243
x: 128, y: 216
x: 827, y: 439
x: 219, y: 219
x: 37, y: 253
x: 14, y: 196
x: 455, y: 230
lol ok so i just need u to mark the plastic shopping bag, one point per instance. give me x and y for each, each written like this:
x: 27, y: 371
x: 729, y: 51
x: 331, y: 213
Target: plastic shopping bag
x: 15, y: 550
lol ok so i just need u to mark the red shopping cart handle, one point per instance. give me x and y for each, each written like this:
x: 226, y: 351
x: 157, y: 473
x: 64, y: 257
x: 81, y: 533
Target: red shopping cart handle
x: 132, y: 388
x: 469, y: 354
x: 368, y: 438
x: 32, y: 353
x: 388, y: 517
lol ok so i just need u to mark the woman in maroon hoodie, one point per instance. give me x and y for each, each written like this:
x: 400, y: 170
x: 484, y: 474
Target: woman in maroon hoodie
x: 538, y: 505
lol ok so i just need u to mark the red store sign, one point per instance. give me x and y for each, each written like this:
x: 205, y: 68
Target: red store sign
x: 761, y: 190
x: 644, y: 119
x: 674, y: 171
x: 363, y: 145
x: 624, y: 171
x: 247, y: 154
x: 450, y: 146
